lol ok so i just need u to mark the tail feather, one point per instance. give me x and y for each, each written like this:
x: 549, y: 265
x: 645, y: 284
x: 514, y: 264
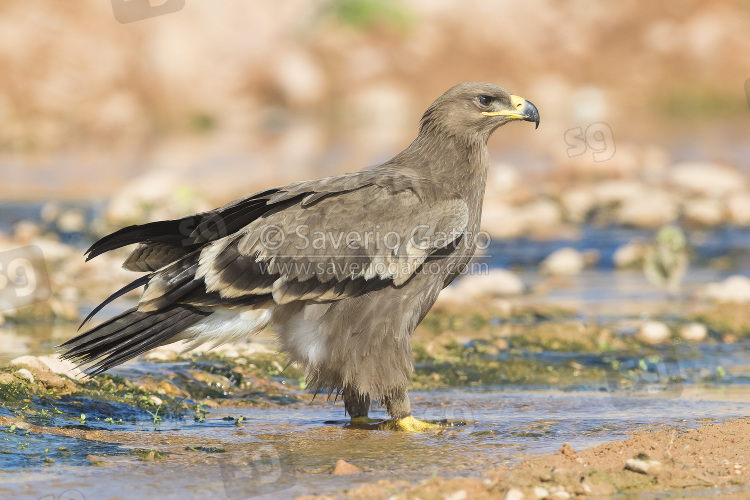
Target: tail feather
x: 122, y: 291
x: 128, y: 335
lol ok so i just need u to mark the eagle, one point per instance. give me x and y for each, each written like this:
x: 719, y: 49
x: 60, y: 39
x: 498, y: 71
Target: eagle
x: 342, y: 269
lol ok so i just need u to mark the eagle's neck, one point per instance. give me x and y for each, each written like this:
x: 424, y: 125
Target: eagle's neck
x: 460, y: 164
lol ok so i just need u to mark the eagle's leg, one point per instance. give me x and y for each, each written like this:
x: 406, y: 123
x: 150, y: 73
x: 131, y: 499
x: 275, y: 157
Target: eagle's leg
x: 399, y: 408
x: 357, y: 405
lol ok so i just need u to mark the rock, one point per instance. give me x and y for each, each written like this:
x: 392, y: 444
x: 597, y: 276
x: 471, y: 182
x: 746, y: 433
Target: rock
x: 653, y: 332
x: 648, y: 209
x: 345, y: 468
x: 513, y: 494
x: 540, y: 216
x: 501, y: 220
x: 565, y: 261
x: 24, y: 232
x: 631, y: 254
x: 6, y: 378
x: 577, y: 203
x: 738, y: 209
x: 157, y: 190
x: 72, y: 221
x: 496, y: 283
x: 616, y: 192
x: 299, y: 77
x: 704, y: 211
x: 456, y: 495
x: 707, y: 179
x: 733, y: 289
x: 54, y: 251
x: 643, y: 466
x: 48, y: 365
x: 539, y: 492
x: 559, y: 495
x: 694, y: 332
x: 503, y: 179
x: 24, y: 373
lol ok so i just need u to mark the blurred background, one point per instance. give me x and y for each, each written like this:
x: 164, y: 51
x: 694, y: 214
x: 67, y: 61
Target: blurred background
x: 117, y: 112
x: 616, y: 276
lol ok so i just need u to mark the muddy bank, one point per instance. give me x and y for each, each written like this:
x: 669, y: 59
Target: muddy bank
x: 710, y: 460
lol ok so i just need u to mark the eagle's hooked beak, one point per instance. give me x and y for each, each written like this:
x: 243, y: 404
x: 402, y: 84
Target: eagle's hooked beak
x: 525, y: 110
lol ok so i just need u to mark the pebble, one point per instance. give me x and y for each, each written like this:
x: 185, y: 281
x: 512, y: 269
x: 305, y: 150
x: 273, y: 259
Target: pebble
x: 706, y: 178
x: 559, y: 495
x: 345, y: 468
x: 694, y: 332
x: 456, y: 495
x: 733, y: 289
x: 653, y: 332
x: 513, y: 494
x: 643, y: 466
x: 23, y: 372
x: 565, y: 261
x: 540, y: 492
x: 48, y: 364
x: 496, y: 283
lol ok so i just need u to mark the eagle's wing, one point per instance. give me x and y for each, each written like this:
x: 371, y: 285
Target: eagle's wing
x: 322, y: 240
x: 340, y: 246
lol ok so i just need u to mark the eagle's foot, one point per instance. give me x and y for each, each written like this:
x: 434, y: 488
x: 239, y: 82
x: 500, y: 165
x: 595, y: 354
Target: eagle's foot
x: 411, y: 424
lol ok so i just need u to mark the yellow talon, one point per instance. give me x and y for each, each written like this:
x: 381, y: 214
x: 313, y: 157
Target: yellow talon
x: 406, y: 424
x: 411, y: 424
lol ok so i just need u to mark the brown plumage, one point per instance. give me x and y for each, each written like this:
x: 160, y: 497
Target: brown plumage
x: 342, y: 268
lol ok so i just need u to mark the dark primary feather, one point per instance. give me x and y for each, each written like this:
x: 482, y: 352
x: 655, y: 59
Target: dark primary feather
x: 119, y: 293
x: 128, y: 335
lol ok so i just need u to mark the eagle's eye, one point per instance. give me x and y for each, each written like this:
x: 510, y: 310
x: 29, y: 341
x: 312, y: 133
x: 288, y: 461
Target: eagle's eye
x: 484, y: 100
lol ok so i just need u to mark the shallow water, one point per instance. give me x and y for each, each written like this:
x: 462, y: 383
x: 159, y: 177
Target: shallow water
x: 287, y: 449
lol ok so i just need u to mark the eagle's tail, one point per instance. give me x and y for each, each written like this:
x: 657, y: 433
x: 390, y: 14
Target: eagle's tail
x: 128, y: 335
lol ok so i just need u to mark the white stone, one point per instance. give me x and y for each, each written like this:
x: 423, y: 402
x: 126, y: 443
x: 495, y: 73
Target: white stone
x: 501, y: 220
x: 706, y: 178
x: 642, y: 466
x: 456, y: 495
x: 650, y: 208
x: 694, y: 332
x: 513, y: 494
x: 539, y: 492
x: 47, y: 364
x: 565, y: 261
x: 496, y: 283
x: 733, y: 289
x: 540, y: 215
x: 704, y: 211
x: 630, y: 254
x: 738, y: 209
x: 653, y: 332
x: 299, y: 77
x: 23, y: 372
x: 503, y: 178
x: 577, y: 203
